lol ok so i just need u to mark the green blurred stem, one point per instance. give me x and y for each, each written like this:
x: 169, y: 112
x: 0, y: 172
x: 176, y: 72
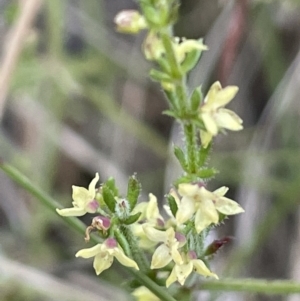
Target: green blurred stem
x: 272, y: 287
x: 76, y: 224
x: 44, y: 198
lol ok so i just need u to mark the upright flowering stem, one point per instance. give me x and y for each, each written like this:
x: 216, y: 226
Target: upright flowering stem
x: 136, y: 252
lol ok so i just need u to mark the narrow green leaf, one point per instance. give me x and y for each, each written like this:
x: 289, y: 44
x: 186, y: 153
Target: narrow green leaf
x: 159, y: 76
x: 172, y: 204
x: 203, y: 155
x: 170, y: 113
x: 133, y: 191
x: 181, y: 157
x: 132, y: 219
x: 206, y: 173
x: 108, y: 198
x: 111, y: 184
x: 173, y: 99
x: 196, y: 99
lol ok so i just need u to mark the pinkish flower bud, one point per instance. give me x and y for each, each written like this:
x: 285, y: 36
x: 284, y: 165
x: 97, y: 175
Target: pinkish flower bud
x: 180, y: 237
x: 111, y: 243
x: 192, y: 255
x: 130, y: 21
x: 216, y: 245
x: 101, y: 223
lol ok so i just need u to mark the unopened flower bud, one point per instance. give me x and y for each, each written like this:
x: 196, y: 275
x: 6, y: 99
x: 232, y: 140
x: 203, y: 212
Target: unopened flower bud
x: 101, y: 223
x: 130, y: 21
x: 111, y: 243
x: 216, y: 245
x: 153, y: 47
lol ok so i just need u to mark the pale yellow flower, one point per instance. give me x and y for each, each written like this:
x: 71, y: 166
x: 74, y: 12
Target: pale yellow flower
x: 182, y: 48
x: 215, y: 116
x: 84, y: 200
x: 104, y: 255
x: 167, y: 251
x: 205, y: 205
x: 144, y: 294
x: 180, y: 272
x: 151, y: 216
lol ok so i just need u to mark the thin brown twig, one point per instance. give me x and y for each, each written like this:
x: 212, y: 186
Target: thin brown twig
x: 15, y: 41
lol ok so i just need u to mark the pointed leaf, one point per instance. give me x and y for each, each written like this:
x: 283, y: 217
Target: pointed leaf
x: 172, y: 204
x: 108, y: 198
x: 203, y: 155
x: 132, y: 219
x: 196, y: 99
x: 111, y: 184
x: 133, y: 191
x: 159, y: 76
x: 170, y: 113
x: 180, y: 156
x: 206, y: 173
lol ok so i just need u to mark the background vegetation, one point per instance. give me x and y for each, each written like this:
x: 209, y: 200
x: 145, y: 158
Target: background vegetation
x: 75, y: 99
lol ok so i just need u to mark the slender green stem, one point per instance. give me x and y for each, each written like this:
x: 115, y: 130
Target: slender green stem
x: 44, y: 198
x: 191, y: 146
x: 160, y: 292
x: 122, y: 241
x: 276, y: 287
x: 137, y: 254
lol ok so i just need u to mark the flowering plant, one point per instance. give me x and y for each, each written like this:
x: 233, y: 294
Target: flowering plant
x: 133, y: 232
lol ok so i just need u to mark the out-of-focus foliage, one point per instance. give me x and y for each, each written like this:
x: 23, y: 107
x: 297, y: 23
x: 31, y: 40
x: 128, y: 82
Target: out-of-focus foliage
x: 80, y: 102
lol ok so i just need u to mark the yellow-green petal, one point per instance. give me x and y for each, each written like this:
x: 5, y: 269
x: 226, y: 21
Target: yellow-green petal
x: 187, y: 189
x: 210, y: 123
x: 154, y: 234
x: 71, y: 211
x: 92, y: 186
x: 228, y: 206
x: 227, y: 119
x: 172, y: 278
x: 102, y: 262
x: 123, y: 259
x: 89, y: 252
x: 161, y: 257
x: 224, y: 96
x: 186, y: 209
x: 202, y: 269
x: 205, y: 215
x: 205, y: 137
x: 144, y: 294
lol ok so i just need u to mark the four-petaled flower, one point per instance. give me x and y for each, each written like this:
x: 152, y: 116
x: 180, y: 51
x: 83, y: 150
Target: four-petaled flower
x: 181, y: 271
x: 215, y: 116
x: 84, y: 200
x: 104, y: 255
x: 205, y: 204
x: 167, y: 251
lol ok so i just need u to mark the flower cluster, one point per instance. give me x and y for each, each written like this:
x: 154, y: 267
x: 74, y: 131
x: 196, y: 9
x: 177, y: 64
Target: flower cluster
x: 193, y: 207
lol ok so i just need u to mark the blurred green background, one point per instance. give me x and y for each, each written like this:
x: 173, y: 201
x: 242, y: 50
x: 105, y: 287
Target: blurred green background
x: 75, y: 99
